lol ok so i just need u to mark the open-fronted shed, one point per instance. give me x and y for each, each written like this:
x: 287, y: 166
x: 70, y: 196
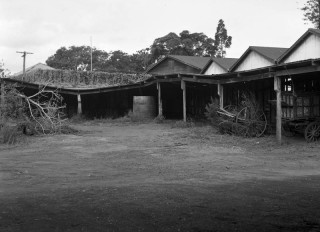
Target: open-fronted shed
x: 218, y: 65
x: 306, y: 47
x: 178, y: 64
x: 257, y: 57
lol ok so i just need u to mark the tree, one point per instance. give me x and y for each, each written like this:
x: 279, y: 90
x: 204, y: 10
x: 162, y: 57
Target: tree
x: 141, y: 60
x: 77, y: 57
x: 4, y: 72
x: 222, y: 40
x: 186, y: 43
x: 311, y: 11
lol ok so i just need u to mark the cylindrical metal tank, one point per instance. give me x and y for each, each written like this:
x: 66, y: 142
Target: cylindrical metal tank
x: 144, y: 107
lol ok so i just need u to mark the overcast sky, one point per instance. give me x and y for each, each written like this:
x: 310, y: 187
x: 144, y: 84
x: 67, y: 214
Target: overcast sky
x: 43, y: 26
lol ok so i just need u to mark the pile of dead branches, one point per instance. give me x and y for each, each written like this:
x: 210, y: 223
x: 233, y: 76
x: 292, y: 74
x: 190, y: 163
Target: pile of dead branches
x: 246, y: 120
x: 39, y: 113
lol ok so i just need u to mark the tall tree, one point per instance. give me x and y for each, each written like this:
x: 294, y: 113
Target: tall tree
x: 75, y: 57
x: 186, y: 43
x: 222, y: 40
x: 140, y: 60
x: 78, y: 58
x: 311, y: 13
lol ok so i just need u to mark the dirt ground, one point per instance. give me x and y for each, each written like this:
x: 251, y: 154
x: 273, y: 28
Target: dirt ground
x: 155, y: 177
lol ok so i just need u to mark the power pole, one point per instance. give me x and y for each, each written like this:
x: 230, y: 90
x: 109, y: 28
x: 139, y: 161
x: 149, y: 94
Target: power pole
x: 24, y: 62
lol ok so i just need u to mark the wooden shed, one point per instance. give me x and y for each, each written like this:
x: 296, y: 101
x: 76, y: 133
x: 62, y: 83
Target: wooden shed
x: 306, y: 47
x: 218, y: 65
x: 257, y: 57
x: 178, y: 64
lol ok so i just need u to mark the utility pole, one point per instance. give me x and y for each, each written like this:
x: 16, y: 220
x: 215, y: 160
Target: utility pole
x: 24, y: 62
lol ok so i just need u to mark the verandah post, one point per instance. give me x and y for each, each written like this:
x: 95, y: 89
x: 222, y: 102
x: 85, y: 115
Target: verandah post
x: 159, y: 99
x: 79, y: 112
x: 220, y: 93
x: 184, y: 91
x: 277, y: 88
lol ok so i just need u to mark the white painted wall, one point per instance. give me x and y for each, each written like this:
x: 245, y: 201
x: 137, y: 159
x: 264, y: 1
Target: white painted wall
x: 309, y: 49
x: 214, y: 68
x: 254, y: 60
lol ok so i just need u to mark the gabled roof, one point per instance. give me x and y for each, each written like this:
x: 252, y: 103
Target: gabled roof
x: 34, y: 68
x: 270, y: 53
x: 225, y: 63
x: 309, y: 32
x: 197, y: 62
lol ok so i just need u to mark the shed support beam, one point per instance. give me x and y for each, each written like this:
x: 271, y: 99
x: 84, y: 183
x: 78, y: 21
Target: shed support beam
x: 79, y: 112
x: 277, y: 88
x: 184, y: 91
x: 159, y: 100
x: 220, y: 93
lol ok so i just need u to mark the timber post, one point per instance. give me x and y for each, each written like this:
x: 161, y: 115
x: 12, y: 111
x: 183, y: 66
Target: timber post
x: 79, y: 112
x: 184, y: 91
x: 159, y: 100
x: 277, y: 88
x: 220, y: 93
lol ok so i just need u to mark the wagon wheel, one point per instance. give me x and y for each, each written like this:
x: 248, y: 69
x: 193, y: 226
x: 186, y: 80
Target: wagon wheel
x: 256, y: 121
x: 312, y: 132
x: 242, y: 115
x: 232, y: 110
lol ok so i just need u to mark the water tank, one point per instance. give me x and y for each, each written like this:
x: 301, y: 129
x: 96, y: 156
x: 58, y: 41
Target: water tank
x: 144, y: 107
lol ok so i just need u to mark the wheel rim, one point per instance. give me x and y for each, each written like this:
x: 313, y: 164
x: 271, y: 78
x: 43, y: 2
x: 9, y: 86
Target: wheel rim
x: 312, y: 132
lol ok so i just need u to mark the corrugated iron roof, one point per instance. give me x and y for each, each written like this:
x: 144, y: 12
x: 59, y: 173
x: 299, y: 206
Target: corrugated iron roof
x: 225, y: 63
x: 197, y: 62
x: 270, y: 53
x: 309, y: 32
x: 34, y: 68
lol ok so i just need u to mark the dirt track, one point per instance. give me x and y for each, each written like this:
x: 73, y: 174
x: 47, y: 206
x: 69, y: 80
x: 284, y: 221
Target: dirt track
x: 152, y: 177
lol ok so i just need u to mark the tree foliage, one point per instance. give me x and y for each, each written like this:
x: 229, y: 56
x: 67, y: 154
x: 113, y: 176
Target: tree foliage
x: 79, y: 58
x: 311, y: 13
x: 191, y: 44
x: 4, y: 72
x: 222, y: 40
x: 186, y: 43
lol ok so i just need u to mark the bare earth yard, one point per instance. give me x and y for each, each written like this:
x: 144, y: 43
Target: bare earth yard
x: 152, y: 177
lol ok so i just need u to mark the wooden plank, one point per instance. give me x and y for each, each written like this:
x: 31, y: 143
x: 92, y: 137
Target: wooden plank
x: 197, y: 80
x: 288, y: 72
x: 159, y: 100
x: 221, y: 97
x: 79, y: 112
x: 277, y: 88
x: 184, y: 92
x: 247, y: 78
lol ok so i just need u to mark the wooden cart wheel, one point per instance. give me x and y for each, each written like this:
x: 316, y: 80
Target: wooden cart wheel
x: 231, y: 108
x: 312, y: 132
x: 256, y: 121
x: 260, y: 123
x: 242, y: 115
